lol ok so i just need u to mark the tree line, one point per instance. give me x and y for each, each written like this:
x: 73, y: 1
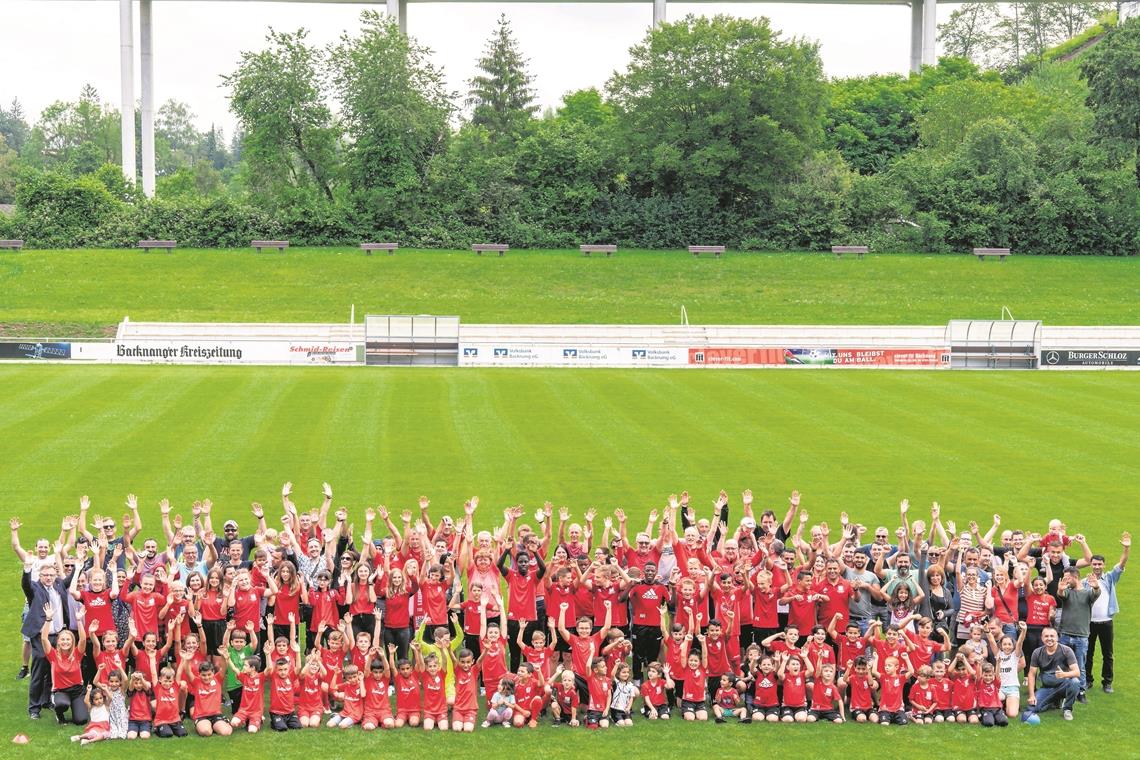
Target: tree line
x: 720, y: 130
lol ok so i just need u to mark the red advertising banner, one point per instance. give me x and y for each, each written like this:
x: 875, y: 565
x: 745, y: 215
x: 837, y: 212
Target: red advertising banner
x: 841, y: 357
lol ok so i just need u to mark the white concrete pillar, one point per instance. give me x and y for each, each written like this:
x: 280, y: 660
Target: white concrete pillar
x: 398, y: 9
x: 127, y: 86
x: 658, y: 12
x: 146, y: 52
x: 929, y: 31
x: 916, y: 17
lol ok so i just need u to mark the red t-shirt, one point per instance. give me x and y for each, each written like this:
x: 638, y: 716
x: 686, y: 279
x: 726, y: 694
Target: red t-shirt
x: 819, y: 654
x: 144, y: 608
x: 353, y: 702
x: 556, y: 596
x: 801, y: 611
x: 583, y: 604
x: 849, y: 650
x: 646, y: 599
x: 599, y: 692
x: 943, y: 692
x: 521, y: 595
x: 287, y: 601
x: 324, y: 604
x: 923, y: 648
x: 838, y: 595
x: 166, y: 705
x: 619, y: 616
x: 407, y: 692
x: 397, y: 613
x: 212, y: 606
x: 891, y: 693
x: 66, y: 671
x: 699, y: 607
x: 541, y: 659
x: 310, y: 699
x: 252, y: 705
x: 766, y: 690
x: 1039, y: 609
x: 823, y: 695
x: 247, y: 608
x: 859, y: 692
x: 633, y: 558
x: 376, y: 696
x: 795, y: 690
x: 726, y: 602
x: 782, y: 645
x: 653, y: 693
x: 98, y: 609
x: 965, y: 692
x: 694, y: 690
x: 435, y: 602
x: 435, y: 697
x: 207, y: 696
x: 1005, y: 611
x: 114, y: 659
x: 527, y: 693
x: 727, y: 698
x: 673, y: 655
x: 921, y: 697
x: 582, y: 648
x: 718, y: 663
x: 466, y: 689
x: 765, y: 609
x: 567, y: 697
x: 282, y: 696
x: 139, y: 708
x: 989, y: 694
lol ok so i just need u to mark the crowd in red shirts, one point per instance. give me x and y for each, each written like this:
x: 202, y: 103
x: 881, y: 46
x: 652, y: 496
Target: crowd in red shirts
x: 438, y: 626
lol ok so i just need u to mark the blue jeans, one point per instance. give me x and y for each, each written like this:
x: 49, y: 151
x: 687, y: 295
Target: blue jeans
x: 1080, y: 647
x: 1066, y: 691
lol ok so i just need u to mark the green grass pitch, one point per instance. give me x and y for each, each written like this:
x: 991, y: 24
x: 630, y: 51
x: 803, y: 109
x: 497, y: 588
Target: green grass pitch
x: 1028, y: 445
x: 74, y: 293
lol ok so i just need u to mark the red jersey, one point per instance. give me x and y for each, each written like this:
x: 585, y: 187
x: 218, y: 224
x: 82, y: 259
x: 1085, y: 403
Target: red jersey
x: 526, y: 693
x: 696, y: 604
x: 724, y: 603
x: 782, y: 645
x: 435, y: 698
x: 65, y: 669
x: 823, y: 695
x: 376, y: 696
x: 466, y: 689
x: 324, y: 604
x: 859, y: 692
x: 619, y: 616
x: 556, y: 596
x: 801, y: 611
x: 397, y: 612
x: 989, y: 694
x: 285, y: 602
x: 97, y: 606
x: 310, y: 699
x: 891, y: 693
x: 113, y: 659
x: 965, y: 692
x: 247, y: 608
x: 599, y: 689
x: 282, y: 698
x: 583, y: 605
x: 683, y: 553
x: 144, y: 608
x: 673, y: 655
x: 727, y: 698
x: 718, y: 663
x: 139, y: 706
x: 765, y: 609
x: 521, y: 591
x: 362, y: 603
x: 207, y: 697
x: 1039, y: 609
x: 618, y: 654
x: 653, y: 693
x: 694, y: 690
x: 795, y: 690
x: 354, y: 701
x: 407, y: 692
x: 435, y: 601
x: 494, y: 663
x: 582, y: 650
x: 765, y: 690
x: 166, y: 705
x: 819, y: 654
x: 252, y: 705
x: 333, y: 660
x: 923, y: 651
x: 567, y: 697
x: 885, y: 650
x: 849, y: 650
x: 943, y: 692
x: 541, y: 659
x: 838, y: 595
x: 634, y: 558
x: 212, y: 606
x: 922, y: 697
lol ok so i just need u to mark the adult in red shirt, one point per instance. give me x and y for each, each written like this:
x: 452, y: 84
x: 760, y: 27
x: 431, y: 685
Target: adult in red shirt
x: 647, y: 600
x: 145, y: 603
x: 837, y: 592
x: 66, y: 660
x: 522, y: 590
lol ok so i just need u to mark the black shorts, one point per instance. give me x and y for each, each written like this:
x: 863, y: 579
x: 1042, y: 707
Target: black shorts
x: 138, y: 726
x: 766, y: 711
x: 946, y: 714
x: 865, y: 713
x: 284, y: 722
x: 662, y: 711
x: 826, y: 715
x: 616, y: 715
x: 211, y: 718
x: 898, y: 718
x: 790, y: 712
x: 594, y: 717
x: 966, y: 713
x: 691, y: 707
x: 215, y: 630
x: 561, y: 644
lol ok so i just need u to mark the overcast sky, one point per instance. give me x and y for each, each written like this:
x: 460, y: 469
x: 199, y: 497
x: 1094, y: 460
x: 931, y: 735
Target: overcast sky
x: 50, y: 48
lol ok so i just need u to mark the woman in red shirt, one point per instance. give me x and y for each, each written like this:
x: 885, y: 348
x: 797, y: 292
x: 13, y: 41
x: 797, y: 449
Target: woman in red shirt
x: 397, y: 614
x: 211, y: 604
x: 66, y: 662
x: 288, y: 597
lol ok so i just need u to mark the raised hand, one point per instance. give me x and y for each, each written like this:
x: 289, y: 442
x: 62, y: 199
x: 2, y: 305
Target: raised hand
x: 746, y: 497
x: 326, y: 490
x: 904, y: 506
x: 935, y: 511
x: 286, y: 489
x: 164, y: 506
x: 794, y: 499
x: 341, y: 515
x: 258, y: 512
x: 424, y: 502
x: 591, y: 513
x: 406, y: 516
x: 1126, y: 539
x: 14, y: 523
x: 803, y: 517
x: 177, y: 521
x: 84, y: 503
x: 132, y: 502
x: 207, y: 505
x: 382, y: 512
x: 196, y: 508
x: 563, y: 514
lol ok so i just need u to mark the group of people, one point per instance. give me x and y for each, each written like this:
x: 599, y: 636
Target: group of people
x: 439, y: 626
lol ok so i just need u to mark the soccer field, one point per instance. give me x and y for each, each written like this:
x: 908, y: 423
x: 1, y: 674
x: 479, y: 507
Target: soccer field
x: 1031, y: 446
x: 84, y: 293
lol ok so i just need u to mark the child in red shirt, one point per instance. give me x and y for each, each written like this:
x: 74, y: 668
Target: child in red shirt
x: 377, y: 708
x: 407, y: 685
x: 765, y: 695
x: 826, y: 699
x: 922, y: 702
x: 465, y: 710
x: 432, y: 678
x: 860, y: 683
x: 252, y: 707
x: 167, y: 715
x: 990, y: 706
x: 943, y: 693
x: 655, y: 703
x: 311, y: 696
x: 727, y: 701
x: 962, y: 680
x: 891, y: 684
x: 565, y: 701
x: 139, y: 714
x: 599, y: 685
x: 696, y: 670
x: 794, y: 676
x: 203, y: 684
x: 352, y: 695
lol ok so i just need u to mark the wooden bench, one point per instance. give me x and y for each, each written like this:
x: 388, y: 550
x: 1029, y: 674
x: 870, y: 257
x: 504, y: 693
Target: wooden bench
x: 146, y: 245
x: 479, y: 248
x: 697, y: 250
x: 12, y: 245
x: 839, y: 250
x: 609, y: 250
x: 1001, y: 253
x: 368, y: 248
x: 280, y: 245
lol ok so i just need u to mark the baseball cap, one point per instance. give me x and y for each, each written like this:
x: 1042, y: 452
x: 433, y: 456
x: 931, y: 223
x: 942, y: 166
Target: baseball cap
x: 230, y: 524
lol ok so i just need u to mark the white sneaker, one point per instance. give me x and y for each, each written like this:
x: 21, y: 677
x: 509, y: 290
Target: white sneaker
x: 486, y: 724
x: 1067, y: 715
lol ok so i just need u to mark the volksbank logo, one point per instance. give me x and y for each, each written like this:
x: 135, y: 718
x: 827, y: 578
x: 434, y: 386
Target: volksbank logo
x: 569, y: 353
x: 502, y: 352
x: 639, y: 353
x: 470, y: 352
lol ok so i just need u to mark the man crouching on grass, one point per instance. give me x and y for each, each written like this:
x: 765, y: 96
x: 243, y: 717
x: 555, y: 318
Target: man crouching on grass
x: 1060, y: 674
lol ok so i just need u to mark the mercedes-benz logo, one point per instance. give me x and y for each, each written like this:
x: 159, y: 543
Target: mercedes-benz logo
x: 1052, y: 357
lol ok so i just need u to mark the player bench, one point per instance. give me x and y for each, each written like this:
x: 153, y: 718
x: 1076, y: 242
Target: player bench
x: 480, y: 248
x: 368, y: 248
x: 715, y: 250
x: 12, y: 245
x: 982, y: 253
x: 280, y: 245
x: 839, y: 250
x: 146, y: 245
x: 586, y: 250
